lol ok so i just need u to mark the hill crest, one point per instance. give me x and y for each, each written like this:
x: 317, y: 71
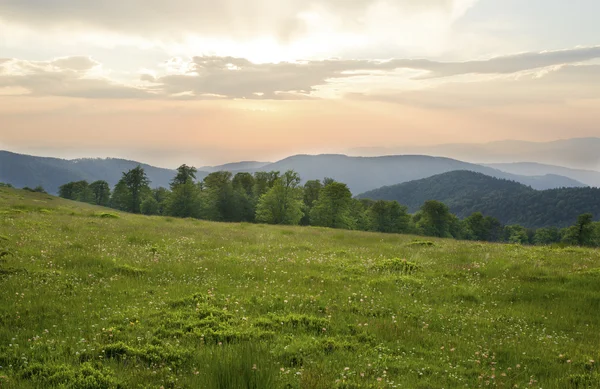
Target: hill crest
x: 510, y: 202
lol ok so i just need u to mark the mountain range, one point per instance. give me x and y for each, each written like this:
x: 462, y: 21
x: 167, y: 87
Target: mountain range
x: 235, y: 166
x: 25, y: 170
x: 365, y: 173
x: 360, y: 173
x: 588, y: 177
x: 576, y: 153
x: 466, y: 192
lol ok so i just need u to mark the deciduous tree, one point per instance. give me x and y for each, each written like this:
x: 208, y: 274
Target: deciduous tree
x: 282, y: 204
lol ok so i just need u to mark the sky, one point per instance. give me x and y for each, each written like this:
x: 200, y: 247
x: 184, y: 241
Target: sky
x: 205, y: 82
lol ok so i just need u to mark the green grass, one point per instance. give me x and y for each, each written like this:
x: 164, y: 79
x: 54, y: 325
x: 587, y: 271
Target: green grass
x: 91, y: 298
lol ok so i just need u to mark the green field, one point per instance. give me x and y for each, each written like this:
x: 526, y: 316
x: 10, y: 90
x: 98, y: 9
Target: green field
x: 92, y: 298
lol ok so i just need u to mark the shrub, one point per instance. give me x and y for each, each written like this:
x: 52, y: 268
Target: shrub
x: 397, y: 265
x: 426, y: 243
x: 106, y: 215
x: 88, y: 376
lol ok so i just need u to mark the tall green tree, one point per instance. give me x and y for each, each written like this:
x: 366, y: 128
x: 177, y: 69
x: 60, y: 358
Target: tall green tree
x: 582, y: 232
x: 495, y: 229
x: 389, y: 217
x: 138, y: 185
x: 263, y: 182
x: 546, y: 236
x: 332, y: 209
x: 121, y: 197
x: 161, y: 195
x: 101, y: 192
x: 596, y: 235
x: 244, y: 182
x: 282, y: 204
x: 311, y: 191
x: 360, y: 213
x: 185, y: 174
x: 243, y: 193
x: 66, y: 191
x: 76, y: 190
x: 516, y: 234
x: 435, y: 219
x: 482, y: 228
x: 219, y: 197
x: 456, y: 227
x: 184, y: 200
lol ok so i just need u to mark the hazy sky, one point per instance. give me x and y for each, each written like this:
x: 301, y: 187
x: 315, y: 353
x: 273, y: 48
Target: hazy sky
x: 206, y: 82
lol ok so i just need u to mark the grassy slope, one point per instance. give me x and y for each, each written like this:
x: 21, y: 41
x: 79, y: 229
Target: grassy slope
x: 144, y: 302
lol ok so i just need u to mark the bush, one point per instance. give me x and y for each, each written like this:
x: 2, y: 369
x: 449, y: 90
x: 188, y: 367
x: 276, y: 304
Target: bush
x: 37, y: 189
x: 106, y: 215
x: 65, y: 376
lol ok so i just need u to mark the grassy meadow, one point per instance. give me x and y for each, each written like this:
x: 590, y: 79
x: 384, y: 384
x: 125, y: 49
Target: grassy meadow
x: 92, y: 298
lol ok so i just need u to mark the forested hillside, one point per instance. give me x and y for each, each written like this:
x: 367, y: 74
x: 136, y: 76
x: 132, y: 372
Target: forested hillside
x: 279, y: 198
x: 588, y: 177
x: 466, y: 192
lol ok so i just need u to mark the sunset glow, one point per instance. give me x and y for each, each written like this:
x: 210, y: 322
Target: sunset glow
x: 209, y: 82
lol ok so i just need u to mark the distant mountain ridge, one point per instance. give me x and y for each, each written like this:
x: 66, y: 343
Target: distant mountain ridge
x: 25, y: 170
x: 466, y: 192
x: 235, y: 166
x: 576, y: 153
x: 588, y: 177
x: 366, y: 173
x: 360, y: 173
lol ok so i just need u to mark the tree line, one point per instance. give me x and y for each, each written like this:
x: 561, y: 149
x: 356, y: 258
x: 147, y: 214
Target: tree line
x: 276, y: 198
x: 466, y: 192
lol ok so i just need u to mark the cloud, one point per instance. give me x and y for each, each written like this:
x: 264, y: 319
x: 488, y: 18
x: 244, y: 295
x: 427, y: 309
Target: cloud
x: 77, y: 63
x: 215, y: 77
x: 239, y: 78
x: 198, y: 15
x: 227, y: 27
x: 566, y: 84
x: 67, y: 76
x: 504, y: 64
